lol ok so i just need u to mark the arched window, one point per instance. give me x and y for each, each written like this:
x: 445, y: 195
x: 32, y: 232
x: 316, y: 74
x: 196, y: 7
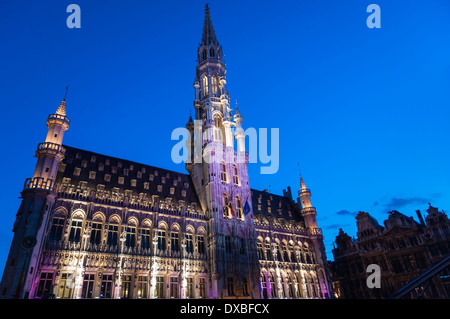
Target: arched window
x: 260, y: 250
x: 308, y: 287
x: 96, y: 232
x: 278, y: 251
x: 286, y: 253
x: 113, y: 230
x: 223, y: 172
x: 291, y: 287
x: 56, y: 229
x: 161, y: 238
x: 130, y: 239
x: 189, y: 242
x: 226, y: 206
x: 292, y: 252
x: 235, y: 175
x: 205, y: 86
x: 239, y: 208
x: 273, y: 289
x: 214, y: 87
x: 146, y: 236
x: 299, y: 286
x: 175, y: 239
x: 211, y: 52
x: 263, y: 281
x: 268, y: 250
x: 75, y: 230
x: 204, y: 54
x: 201, y: 248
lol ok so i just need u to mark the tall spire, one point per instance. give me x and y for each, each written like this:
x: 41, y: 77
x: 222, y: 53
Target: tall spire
x: 208, y: 36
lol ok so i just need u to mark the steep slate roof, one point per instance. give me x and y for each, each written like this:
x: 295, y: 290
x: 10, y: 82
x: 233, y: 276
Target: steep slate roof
x: 166, y: 178
x: 288, y: 209
x: 74, y: 158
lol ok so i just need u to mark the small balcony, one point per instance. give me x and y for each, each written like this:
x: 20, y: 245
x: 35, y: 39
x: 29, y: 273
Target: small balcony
x: 315, y: 231
x: 51, y: 147
x: 40, y: 183
x: 57, y: 117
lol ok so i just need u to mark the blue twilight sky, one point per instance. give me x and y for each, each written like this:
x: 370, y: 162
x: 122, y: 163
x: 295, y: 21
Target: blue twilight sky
x: 364, y: 111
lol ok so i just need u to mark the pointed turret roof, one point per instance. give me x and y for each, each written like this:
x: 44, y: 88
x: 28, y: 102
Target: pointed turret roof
x: 62, y: 108
x: 302, y: 185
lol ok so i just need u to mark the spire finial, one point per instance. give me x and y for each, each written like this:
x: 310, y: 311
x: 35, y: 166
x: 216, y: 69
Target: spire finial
x: 302, y: 183
x: 206, y: 8
x: 65, y: 94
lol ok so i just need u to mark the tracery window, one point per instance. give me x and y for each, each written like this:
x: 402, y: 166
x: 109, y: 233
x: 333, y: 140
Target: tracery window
x: 65, y: 286
x: 235, y: 175
x: 273, y: 290
x: 286, y: 253
x: 96, y: 233
x: 142, y: 287
x: 45, y: 284
x: 113, y: 231
x: 223, y: 172
x: 88, y: 286
x: 201, y: 244
x: 214, y: 85
x: 202, y: 287
x: 205, y: 86
x: 174, y: 241
x: 130, y: 239
x: 75, y: 231
x: 226, y: 206
x: 161, y: 239
x: 173, y: 287
x: 239, y: 208
x: 106, y: 287
x: 126, y: 285
x: 56, y: 229
x: 260, y: 250
x: 230, y: 286
x: 268, y: 250
x: 189, y: 243
x: 159, y: 291
x: 145, y: 238
x: 190, y: 287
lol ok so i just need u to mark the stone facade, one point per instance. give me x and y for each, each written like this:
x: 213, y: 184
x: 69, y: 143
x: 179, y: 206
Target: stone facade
x: 95, y: 226
x: 403, y: 249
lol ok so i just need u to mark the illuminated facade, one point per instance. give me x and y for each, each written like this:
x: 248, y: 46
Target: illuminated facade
x: 403, y: 248
x: 94, y: 226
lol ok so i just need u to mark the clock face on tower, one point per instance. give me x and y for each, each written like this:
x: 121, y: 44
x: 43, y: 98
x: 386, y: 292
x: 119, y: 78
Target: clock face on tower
x: 28, y: 242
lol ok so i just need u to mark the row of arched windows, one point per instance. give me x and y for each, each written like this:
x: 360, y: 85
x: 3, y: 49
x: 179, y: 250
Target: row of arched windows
x: 289, y: 286
x: 212, y: 53
x: 214, y: 85
x: 229, y: 210
x: 285, y: 252
x: 99, y: 232
x: 224, y: 174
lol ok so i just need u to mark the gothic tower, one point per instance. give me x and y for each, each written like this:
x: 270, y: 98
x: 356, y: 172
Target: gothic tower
x: 38, y: 197
x: 220, y: 176
x: 309, y: 214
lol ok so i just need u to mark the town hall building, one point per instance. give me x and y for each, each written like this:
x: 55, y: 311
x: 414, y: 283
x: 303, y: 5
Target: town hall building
x: 96, y: 226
